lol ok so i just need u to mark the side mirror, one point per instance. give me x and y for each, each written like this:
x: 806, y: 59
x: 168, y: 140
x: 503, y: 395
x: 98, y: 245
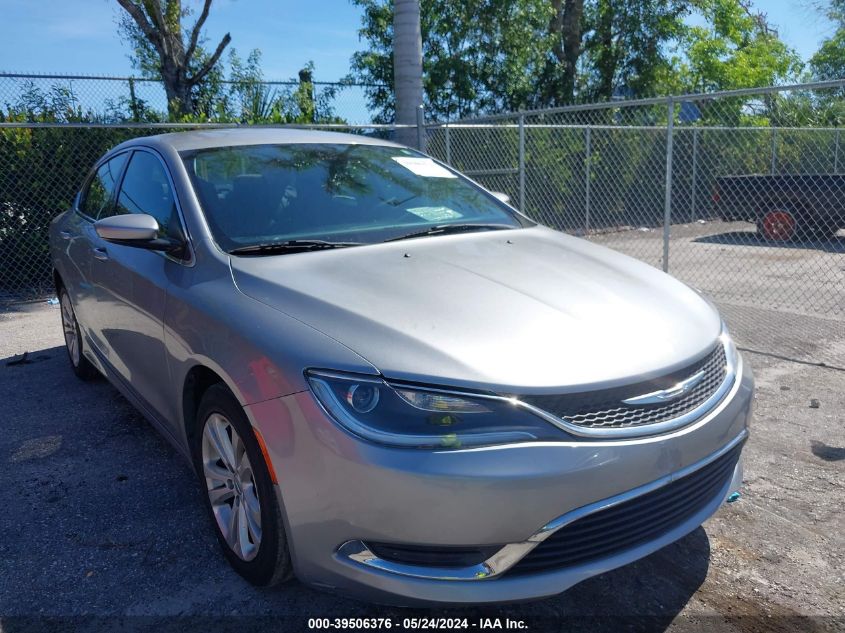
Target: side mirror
x: 130, y: 227
x: 501, y: 196
x: 136, y: 229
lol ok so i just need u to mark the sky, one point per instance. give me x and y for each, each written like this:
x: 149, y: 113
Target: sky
x: 80, y: 36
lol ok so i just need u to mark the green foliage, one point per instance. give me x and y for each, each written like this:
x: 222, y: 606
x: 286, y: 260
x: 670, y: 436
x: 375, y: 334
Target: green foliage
x: 484, y: 56
x: 736, y: 49
x: 477, y: 56
x: 244, y: 97
x: 43, y: 167
x: 42, y: 171
x: 169, y: 49
x: 625, y: 44
x: 57, y: 104
x: 829, y: 61
x: 251, y: 100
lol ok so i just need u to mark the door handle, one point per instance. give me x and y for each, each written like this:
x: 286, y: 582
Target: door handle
x: 66, y: 235
x: 101, y: 254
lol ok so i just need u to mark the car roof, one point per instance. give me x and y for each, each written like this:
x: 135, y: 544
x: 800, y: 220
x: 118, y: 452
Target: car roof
x: 228, y: 137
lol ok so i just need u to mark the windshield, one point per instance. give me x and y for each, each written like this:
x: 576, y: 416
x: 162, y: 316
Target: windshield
x: 260, y: 194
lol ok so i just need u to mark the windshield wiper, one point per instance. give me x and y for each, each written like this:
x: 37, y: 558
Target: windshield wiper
x: 289, y: 246
x: 444, y: 229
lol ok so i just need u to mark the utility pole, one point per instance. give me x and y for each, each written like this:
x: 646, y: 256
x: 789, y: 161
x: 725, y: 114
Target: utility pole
x: 407, y: 69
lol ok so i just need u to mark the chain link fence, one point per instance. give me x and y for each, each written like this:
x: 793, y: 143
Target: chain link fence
x: 42, y: 166
x: 741, y: 194
x: 81, y: 98
x: 54, y: 127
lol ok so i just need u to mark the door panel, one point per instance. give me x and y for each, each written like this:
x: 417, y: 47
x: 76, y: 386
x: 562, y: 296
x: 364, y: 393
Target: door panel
x: 132, y: 288
x: 131, y: 298
x: 78, y: 233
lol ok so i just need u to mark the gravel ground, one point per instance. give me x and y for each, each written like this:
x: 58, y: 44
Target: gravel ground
x: 730, y: 261
x: 103, y: 525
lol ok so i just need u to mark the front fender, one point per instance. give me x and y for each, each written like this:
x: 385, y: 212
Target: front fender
x: 259, y: 352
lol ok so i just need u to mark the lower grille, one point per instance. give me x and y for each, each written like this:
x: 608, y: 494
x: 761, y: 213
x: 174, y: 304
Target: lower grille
x: 630, y: 523
x: 433, y: 555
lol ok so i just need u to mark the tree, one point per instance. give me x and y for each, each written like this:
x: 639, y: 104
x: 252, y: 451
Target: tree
x: 626, y: 44
x: 407, y: 65
x: 478, y: 56
x: 250, y: 99
x: 566, y: 39
x: 164, y: 48
x: 737, y: 48
x: 486, y: 56
x: 829, y: 61
x: 42, y: 171
x: 489, y: 55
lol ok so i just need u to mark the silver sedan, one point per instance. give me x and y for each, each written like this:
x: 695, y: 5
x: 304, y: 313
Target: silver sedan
x: 390, y: 382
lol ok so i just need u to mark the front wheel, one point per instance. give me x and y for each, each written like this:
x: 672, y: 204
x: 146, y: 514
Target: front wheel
x: 238, y: 491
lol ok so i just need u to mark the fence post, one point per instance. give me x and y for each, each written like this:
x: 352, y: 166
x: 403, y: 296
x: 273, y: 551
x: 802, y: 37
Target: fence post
x: 774, y: 150
x: 448, y: 147
x: 694, y: 172
x: 667, y: 204
x: 587, y: 166
x: 836, y: 154
x: 133, y: 101
x: 420, y: 128
x: 522, y: 163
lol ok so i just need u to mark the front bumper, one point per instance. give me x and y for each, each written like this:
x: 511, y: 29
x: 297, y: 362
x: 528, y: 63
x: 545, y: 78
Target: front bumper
x: 338, y: 491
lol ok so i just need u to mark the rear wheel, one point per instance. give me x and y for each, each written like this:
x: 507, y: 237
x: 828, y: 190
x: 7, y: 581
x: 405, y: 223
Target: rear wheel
x: 238, y: 491
x: 81, y: 366
x: 778, y: 225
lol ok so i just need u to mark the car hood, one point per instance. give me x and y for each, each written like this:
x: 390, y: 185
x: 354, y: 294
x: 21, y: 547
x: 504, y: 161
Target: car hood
x: 516, y: 311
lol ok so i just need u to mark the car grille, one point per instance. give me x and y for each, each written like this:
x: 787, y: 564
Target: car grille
x: 630, y: 523
x: 605, y: 409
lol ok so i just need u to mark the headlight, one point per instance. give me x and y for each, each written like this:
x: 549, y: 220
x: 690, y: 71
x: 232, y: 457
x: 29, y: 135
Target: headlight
x: 415, y: 417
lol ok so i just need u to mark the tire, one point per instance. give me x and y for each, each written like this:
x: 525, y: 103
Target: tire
x: 80, y: 365
x: 779, y: 225
x: 257, y: 550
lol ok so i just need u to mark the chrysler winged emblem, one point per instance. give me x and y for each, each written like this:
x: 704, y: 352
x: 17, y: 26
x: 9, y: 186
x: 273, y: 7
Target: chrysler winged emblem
x: 665, y: 395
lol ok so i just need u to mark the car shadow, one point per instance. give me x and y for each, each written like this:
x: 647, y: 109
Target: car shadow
x: 110, y: 518
x: 646, y: 595
x: 835, y: 244
x: 826, y: 452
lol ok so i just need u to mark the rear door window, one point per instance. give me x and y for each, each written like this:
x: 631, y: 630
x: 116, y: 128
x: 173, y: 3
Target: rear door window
x: 97, y: 198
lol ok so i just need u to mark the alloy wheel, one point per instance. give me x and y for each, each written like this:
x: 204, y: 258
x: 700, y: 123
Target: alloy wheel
x: 231, y: 488
x: 70, y: 331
